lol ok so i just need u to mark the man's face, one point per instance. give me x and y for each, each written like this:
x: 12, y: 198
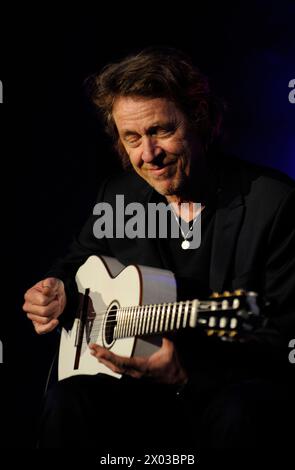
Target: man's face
x: 158, y: 140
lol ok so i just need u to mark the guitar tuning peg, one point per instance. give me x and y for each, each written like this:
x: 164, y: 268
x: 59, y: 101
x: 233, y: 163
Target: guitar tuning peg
x: 232, y: 334
x: 221, y: 333
x: 210, y: 332
x: 214, y: 295
x: 239, y: 292
x: 226, y: 293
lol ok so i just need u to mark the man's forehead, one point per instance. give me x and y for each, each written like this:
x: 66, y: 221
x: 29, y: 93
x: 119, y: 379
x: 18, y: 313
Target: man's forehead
x: 127, y: 103
x: 152, y: 112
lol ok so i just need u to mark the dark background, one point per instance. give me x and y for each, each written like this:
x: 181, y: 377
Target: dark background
x: 54, y: 154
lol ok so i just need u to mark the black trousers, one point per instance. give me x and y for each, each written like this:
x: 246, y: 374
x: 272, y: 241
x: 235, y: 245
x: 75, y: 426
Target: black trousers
x: 103, y: 413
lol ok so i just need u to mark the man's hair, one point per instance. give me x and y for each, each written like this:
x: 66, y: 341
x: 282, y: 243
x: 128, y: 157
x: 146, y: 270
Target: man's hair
x: 158, y: 73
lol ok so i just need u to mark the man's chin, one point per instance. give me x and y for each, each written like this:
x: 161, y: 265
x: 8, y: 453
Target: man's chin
x: 165, y: 187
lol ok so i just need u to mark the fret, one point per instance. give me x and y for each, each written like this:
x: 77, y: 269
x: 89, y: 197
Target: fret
x: 167, y: 317
x: 123, y: 322
x: 153, y: 319
x: 148, y: 319
x: 157, y: 317
x: 133, y: 320
x: 179, y: 313
x: 162, y: 316
x: 173, y: 315
x: 140, y: 319
x: 116, y: 329
x: 144, y: 320
x: 185, y: 313
x: 142, y: 309
x: 128, y: 322
x: 194, y: 314
x: 120, y: 321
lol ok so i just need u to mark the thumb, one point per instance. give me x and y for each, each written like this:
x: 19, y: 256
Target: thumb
x: 50, y: 285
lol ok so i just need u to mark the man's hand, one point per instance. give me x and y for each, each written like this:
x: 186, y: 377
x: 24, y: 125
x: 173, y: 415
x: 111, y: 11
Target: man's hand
x: 44, y: 302
x: 163, y: 366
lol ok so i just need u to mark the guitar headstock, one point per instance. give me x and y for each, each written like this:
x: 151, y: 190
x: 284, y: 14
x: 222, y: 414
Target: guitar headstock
x: 230, y: 315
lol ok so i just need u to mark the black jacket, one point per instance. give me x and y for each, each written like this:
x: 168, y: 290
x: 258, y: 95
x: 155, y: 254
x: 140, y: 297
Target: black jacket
x: 253, y: 248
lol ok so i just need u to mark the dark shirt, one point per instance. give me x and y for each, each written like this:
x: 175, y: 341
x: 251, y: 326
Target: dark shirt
x: 192, y: 266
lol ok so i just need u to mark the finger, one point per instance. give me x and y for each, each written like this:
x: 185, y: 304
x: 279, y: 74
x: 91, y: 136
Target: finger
x: 103, y: 353
x: 111, y: 366
x: 38, y: 319
x: 42, y: 329
x: 109, y: 359
x: 44, y: 311
x: 167, y: 344
x: 36, y: 297
x: 122, y: 369
x: 125, y: 364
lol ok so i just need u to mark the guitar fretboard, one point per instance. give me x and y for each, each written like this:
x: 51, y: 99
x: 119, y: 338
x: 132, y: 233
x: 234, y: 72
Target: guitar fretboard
x: 159, y: 318
x: 154, y: 319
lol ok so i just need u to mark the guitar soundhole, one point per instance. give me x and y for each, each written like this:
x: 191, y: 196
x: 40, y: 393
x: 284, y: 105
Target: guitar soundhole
x: 109, y: 325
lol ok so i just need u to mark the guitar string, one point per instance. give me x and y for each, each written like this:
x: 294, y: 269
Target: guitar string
x: 112, y: 318
x: 204, y: 303
x: 158, y: 317
x: 109, y: 322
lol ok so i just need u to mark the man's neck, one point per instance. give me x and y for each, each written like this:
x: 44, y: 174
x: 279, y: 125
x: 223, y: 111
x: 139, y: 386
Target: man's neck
x: 186, y: 210
x: 199, y: 189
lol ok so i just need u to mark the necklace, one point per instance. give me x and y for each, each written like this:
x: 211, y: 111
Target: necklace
x: 185, y: 244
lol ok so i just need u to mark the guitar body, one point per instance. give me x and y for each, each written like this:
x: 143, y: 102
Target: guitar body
x: 111, y: 286
x: 128, y: 309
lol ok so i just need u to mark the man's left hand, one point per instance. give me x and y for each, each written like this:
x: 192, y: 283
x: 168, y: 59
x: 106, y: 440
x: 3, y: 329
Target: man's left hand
x: 163, y: 366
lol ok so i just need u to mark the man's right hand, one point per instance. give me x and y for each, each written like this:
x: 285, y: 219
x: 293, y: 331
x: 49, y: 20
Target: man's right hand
x: 44, y: 302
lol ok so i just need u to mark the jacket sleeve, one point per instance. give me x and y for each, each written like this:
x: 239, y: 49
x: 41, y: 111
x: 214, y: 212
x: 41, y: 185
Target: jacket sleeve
x: 84, y: 245
x: 280, y: 269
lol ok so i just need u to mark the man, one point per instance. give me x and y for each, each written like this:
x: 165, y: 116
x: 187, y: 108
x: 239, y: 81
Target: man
x: 197, y: 391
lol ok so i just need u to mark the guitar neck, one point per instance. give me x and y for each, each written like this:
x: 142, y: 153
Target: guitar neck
x: 154, y: 319
x: 219, y: 315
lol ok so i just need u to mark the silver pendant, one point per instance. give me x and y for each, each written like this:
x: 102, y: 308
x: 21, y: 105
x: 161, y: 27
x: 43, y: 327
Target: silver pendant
x: 185, y: 244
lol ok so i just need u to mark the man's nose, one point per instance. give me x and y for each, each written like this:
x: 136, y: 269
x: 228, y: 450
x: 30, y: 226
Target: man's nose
x: 150, y: 149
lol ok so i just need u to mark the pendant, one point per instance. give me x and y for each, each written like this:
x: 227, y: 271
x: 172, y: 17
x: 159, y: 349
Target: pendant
x: 185, y: 244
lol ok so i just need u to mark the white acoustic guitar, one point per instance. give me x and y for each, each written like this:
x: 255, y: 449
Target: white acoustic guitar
x: 127, y: 309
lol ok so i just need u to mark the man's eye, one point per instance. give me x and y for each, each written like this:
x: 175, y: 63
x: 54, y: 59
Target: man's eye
x: 165, y: 131
x: 132, y: 140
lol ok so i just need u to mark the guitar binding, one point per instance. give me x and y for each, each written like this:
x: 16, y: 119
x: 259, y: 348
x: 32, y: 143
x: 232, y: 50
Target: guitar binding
x: 109, y: 325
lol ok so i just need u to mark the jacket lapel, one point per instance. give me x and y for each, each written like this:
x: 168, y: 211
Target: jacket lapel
x: 228, y: 219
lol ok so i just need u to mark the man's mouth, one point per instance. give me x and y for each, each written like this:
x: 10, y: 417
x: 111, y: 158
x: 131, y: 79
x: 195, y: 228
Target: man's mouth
x: 160, y: 169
